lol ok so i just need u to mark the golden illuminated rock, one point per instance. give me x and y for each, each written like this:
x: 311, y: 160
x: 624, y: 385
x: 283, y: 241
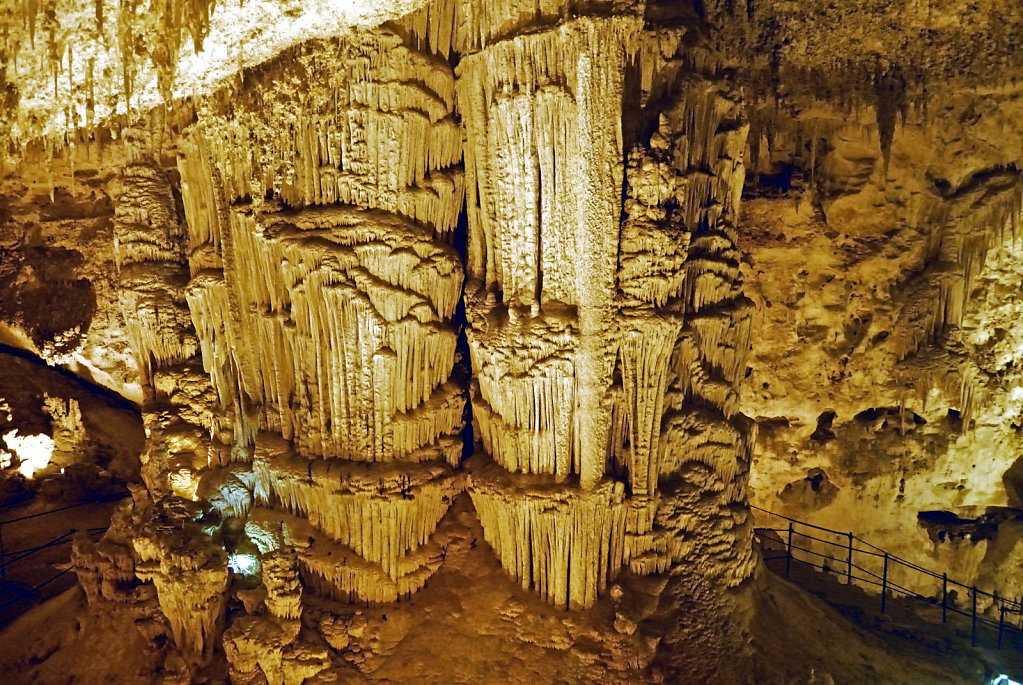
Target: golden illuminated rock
x: 463, y: 333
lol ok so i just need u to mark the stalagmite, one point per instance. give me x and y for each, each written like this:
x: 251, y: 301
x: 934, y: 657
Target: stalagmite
x: 283, y: 589
x: 189, y: 572
x: 382, y: 512
x: 106, y: 568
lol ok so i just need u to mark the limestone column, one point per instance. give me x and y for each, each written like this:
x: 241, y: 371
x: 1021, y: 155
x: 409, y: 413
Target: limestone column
x: 323, y: 290
x: 541, y: 105
x: 171, y: 549
x: 601, y: 321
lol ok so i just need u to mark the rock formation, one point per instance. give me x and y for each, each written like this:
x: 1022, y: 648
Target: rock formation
x: 397, y: 286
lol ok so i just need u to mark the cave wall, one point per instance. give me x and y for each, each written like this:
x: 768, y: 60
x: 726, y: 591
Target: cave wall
x: 887, y: 358
x: 504, y: 285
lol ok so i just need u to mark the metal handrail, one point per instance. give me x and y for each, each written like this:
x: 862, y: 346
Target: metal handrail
x: 32, y: 592
x: 101, y: 500
x: 4, y: 554
x: 63, y: 539
x: 1001, y: 605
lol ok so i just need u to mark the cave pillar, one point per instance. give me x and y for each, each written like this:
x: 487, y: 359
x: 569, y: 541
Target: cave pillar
x: 542, y: 112
x: 608, y: 332
x: 681, y: 263
x: 149, y: 249
x: 171, y: 550
x: 324, y: 287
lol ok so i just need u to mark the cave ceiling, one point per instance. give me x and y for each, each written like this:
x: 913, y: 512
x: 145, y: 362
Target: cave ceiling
x: 509, y: 308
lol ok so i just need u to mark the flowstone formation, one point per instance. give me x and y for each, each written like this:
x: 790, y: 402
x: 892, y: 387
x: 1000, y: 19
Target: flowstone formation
x: 576, y: 362
x: 439, y: 314
x: 310, y: 256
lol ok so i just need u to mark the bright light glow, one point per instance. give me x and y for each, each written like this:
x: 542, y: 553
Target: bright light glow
x: 244, y: 564
x: 1003, y: 679
x: 34, y: 451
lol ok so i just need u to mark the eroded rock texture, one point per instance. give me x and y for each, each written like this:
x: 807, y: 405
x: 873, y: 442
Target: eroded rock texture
x: 898, y: 345
x: 444, y: 318
x: 307, y: 251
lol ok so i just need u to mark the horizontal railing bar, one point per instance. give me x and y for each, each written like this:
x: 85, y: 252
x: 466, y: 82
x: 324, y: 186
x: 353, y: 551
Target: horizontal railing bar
x: 819, y: 554
x: 802, y: 523
x: 15, y: 601
x: 841, y: 573
x: 51, y: 579
x: 14, y: 557
x: 844, y: 546
x: 102, y: 500
x: 25, y: 553
x: 863, y: 579
x: 14, y: 588
x: 868, y: 572
x: 62, y: 540
x: 908, y: 564
x: 31, y: 593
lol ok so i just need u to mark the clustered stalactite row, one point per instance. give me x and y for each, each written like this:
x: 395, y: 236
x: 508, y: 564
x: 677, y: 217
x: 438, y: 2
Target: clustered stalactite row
x: 312, y: 266
x: 960, y: 232
x: 586, y: 332
x: 77, y: 51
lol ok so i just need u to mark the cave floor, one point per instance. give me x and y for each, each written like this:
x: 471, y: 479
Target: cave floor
x: 910, y: 629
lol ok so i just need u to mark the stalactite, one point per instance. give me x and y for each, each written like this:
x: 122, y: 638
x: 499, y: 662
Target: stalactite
x: 382, y: 512
x: 548, y: 397
x: 374, y: 294
x: 378, y: 133
x: 961, y: 231
x: 524, y: 393
x: 337, y: 570
x: 337, y: 315
x: 189, y: 572
x: 323, y: 291
x: 646, y: 349
x: 563, y: 542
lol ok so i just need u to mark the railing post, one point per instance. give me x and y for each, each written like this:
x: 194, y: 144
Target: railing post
x: 944, y: 597
x: 973, y: 618
x: 848, y: 567
x: 1001, y: 623
x: 884, y: 583
x: 788, y: 553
